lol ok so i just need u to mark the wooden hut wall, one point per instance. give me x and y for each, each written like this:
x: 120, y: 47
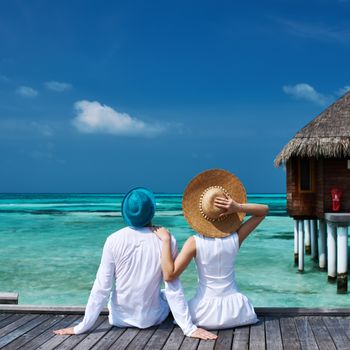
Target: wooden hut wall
x: 336, y: 174
x: 320, y: 190
x: 299, y: 204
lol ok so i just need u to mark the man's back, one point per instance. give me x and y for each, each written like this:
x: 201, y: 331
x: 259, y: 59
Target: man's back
x: 129, y: 276
x: 135, y: 297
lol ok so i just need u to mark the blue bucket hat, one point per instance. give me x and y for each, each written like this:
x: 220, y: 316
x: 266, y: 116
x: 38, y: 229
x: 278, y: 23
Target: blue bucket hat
x: 138, y: 207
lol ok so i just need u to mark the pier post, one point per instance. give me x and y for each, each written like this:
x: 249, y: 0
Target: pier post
x: 300, y: 245
x: 322, y: 245
x: 295, y: 242
x: 342, y: 259
x: 314, y: 245
x: 331, y: 251
x: 307, y: 237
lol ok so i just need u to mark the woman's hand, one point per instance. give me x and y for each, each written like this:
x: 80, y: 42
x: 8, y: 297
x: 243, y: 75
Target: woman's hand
x: 227, y: 203
x: 162, y: 233
x: 201, y: 333
x: 64, y: 331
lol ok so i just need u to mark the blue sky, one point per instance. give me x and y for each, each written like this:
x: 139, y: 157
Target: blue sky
x: 103, y: 96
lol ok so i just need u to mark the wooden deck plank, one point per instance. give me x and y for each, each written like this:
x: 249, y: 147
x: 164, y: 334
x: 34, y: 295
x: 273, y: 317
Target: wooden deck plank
x: 224, y: 340
x: 305, y: 333
x: 8, y: 338
x: 261, y: 311
x: 109, y: 338
x: 3, y: 316
x: 322, y: 336
x: 141, y: 338
x: 34, y: 331
x: 12, y: 318
x: 19, y: 322
x: 39, y: 341
x: 345, y: 324
x: 175, y: 339
x: 93, y: 337
x: 289, y: 334
x: 273, y: 334
x: 160, y: 336
x: 208, y: 344
x: 241, y: 338
x: 125, y: 339
x: 189, y: 344
x: 26, y: 337
x: 257, y: 335
x: 338, y: 334
x: 70, y: 342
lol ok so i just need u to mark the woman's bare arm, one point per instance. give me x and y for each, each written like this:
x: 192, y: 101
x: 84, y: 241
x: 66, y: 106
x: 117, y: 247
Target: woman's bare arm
x: 258, y: 212
x: 172, y: 269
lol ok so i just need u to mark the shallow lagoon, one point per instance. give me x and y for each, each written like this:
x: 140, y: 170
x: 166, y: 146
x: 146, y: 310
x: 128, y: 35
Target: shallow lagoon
x: 50, y: 246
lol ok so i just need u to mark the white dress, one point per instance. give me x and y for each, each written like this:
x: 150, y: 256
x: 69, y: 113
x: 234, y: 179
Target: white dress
x: 218, y: 303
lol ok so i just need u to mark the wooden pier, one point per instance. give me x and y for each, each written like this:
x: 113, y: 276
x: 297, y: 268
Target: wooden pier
x: 278, y: 328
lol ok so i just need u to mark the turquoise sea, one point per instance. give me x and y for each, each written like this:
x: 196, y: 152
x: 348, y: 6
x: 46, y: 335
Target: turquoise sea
x: 50, y: 246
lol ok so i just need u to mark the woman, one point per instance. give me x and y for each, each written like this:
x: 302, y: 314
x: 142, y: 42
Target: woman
x: 214, y: 206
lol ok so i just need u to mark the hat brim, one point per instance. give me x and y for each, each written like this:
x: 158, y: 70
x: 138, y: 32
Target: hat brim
x: 191, y: 200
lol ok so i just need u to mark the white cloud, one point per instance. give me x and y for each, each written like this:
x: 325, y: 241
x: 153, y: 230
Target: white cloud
x: 57, y: 86
x: 27, y: 91
x: 306, y: 92
x: 343, y: 90
x: 93, y: 117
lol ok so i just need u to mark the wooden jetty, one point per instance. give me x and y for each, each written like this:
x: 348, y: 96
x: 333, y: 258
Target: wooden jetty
x: 28, y: 327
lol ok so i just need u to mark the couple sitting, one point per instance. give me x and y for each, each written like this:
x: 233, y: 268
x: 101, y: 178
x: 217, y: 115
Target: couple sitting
x: 137, y: 258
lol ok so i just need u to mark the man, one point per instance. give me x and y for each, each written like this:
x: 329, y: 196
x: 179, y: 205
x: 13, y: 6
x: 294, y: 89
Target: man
x: 130, y: 275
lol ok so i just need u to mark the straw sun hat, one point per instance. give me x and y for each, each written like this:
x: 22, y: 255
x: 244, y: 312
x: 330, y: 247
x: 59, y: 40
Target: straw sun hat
x: 198, y: 203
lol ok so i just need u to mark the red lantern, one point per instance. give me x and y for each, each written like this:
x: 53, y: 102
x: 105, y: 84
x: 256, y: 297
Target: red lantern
x: 336, y: 197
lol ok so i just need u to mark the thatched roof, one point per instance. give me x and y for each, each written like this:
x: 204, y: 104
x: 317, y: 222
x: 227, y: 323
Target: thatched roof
x: 328, y: 135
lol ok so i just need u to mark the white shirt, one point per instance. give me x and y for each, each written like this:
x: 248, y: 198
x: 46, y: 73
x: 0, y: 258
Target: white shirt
x: 130, y: 276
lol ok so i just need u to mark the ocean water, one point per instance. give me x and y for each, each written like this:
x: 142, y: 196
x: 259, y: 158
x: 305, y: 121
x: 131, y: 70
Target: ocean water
x: 51, y: 244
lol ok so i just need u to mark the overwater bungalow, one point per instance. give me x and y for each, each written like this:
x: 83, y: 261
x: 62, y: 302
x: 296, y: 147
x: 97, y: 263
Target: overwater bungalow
x: 317, y: 163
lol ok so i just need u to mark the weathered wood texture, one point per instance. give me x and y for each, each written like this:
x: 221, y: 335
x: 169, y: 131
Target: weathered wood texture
x: 8, y: 298
x: 272, y: 332
x: 336, y: 174
x: 300, y: 204
x: 328, y: 173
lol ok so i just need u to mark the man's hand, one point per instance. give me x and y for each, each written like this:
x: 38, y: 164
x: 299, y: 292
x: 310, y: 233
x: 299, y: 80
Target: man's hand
x: 162, y: 233
x: 64, y: 331
x: 227, y: 203
x: 201, y: 333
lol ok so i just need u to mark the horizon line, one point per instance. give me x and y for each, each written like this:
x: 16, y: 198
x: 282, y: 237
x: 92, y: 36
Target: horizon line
x: 118, y: 193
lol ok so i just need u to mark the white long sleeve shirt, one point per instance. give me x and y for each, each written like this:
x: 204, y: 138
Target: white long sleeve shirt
x: 129, y: 278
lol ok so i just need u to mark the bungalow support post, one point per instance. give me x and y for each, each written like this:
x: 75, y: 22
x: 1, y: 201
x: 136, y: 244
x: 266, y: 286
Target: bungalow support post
x: 342, y: 261
x: 322, y: 258
x: 332, y: 252
x: 296, y: 259
x: 307, y: 237
x: 300, y: 245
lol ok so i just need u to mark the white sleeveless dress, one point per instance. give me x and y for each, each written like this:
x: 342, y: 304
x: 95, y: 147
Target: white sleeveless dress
x: 218, y: 304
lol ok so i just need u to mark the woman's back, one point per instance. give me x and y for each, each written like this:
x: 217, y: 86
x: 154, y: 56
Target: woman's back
x: 217, y: 303
x: 215, y: 258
